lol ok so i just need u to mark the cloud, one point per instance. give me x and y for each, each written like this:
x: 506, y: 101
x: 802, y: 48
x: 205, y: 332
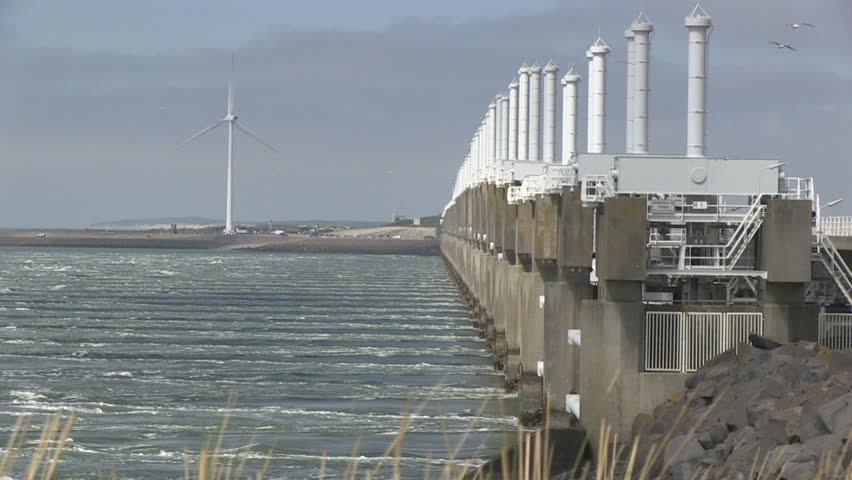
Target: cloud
x: 84, y: 138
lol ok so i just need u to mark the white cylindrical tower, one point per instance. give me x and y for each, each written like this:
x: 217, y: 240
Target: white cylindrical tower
x: 513, y: 120
x: 549, y: 128
x: 698, y: 22
x: 599, y: 51
x: 492, y: 132
x: 535, y: 113
x: 569, y: 116
x: 628, y: 129
x: 590, y: 104
x: 474, y: 155
x: 483, y: 143
x: 504, y: 126
x: 498, y: 149
x: 524, y: 113
x: 642, y: 28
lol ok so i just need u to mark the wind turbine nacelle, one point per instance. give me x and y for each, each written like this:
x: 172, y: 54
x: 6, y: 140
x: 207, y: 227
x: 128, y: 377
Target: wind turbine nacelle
x: 230, y: 118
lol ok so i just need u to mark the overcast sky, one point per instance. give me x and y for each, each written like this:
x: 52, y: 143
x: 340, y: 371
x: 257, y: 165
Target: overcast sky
x: 371, y: 102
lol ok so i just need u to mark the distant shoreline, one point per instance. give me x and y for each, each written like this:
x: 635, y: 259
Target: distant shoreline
x: 249, y: 242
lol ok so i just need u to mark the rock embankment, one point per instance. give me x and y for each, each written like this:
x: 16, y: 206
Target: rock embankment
x: 778, y: 409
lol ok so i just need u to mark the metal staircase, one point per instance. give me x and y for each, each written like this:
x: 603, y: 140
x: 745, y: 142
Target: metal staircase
x: 725, y: 257
x: 834, y: 264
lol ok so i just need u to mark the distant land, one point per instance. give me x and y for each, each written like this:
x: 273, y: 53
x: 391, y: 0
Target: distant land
x: 393, y: 240
x: 202, y: 222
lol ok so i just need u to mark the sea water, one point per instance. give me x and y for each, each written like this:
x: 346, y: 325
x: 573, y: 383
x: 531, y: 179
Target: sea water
x: 324, y: 355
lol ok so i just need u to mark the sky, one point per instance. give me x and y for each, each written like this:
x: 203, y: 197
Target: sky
x: 371, y: 103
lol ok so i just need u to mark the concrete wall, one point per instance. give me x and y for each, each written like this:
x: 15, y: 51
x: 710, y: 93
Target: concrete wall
x: 545, y: 248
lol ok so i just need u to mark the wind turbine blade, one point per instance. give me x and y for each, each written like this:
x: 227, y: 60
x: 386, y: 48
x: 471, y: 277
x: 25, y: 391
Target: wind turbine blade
x: 231, y: 87
x: 211, y: 127
x: 256, y: 138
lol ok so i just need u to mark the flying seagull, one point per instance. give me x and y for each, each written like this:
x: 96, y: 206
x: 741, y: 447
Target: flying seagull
x: 783, y: 45
x: 796, y: 26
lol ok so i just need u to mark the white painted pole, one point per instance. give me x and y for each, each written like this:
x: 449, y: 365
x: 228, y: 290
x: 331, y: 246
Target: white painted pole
x: 504, y: 123
x: 474, y: 155
x: 229, y: 210
x: 492, y: 132
x: 590, y: 104
x: 698, y: 22
x: 549, y: 134
x: 599, y: 52
x: 535, y: 113
x: 524, y: 114
x: 569, y: 116
x: 498, y: 138
x: 642, y: 29
x: 628, y: 129
x: 513, y: 120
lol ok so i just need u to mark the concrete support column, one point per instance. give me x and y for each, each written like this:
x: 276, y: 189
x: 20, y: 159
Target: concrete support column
x: 549, y: 135
x: 513, y: 120
x: 612, y: 326
x: 563, y: 302
x: 784, y: 246
x: 562, y: 308
x: 524, y: 113
x: 535, y: 113
x: 569, y: 116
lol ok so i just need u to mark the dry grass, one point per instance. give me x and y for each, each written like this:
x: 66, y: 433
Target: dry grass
x: 45, y: 457
x: 531, y: 460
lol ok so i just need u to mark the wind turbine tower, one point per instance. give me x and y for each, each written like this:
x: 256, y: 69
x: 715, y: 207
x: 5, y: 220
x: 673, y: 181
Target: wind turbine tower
x: 231, y: 120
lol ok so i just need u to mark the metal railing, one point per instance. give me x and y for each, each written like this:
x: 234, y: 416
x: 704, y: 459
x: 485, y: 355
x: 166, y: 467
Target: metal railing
x: 835, y: 330
x: 670, y: 250
x: 684, y: 342
x: 836, y: 226
x: 835, y: 265
x: 681, y: 209
x: 532, y: 186
x: 798, y: 188
x: 595, y: 188
x: 513, y: 195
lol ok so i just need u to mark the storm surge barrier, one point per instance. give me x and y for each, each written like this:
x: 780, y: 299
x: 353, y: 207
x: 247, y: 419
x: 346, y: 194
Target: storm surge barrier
x: 601, y: 279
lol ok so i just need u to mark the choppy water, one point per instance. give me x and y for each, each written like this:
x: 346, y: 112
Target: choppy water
x: 324, y: 351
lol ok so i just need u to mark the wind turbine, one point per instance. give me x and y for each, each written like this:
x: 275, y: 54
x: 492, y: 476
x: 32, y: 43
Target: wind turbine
x: 231, y: 120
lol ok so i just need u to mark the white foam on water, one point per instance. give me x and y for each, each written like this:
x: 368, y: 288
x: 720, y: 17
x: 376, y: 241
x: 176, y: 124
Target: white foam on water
x: 26, y: 395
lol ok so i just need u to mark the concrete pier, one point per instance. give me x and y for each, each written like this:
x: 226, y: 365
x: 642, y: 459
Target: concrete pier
x: 556, y: 287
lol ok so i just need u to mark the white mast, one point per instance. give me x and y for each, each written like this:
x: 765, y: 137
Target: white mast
x: 628, y: 130
x: 535, y: 113
x: 698, y: 22
x: 524, y: 113
x: 513, y: 120
x: 569, y: 116
x: 642, y: 28
x: 599, y: 51
x: 549, y: 135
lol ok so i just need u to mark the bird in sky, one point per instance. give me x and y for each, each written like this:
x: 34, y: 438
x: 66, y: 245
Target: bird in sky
x: 796, y: 26
x: 783, y: 45
x: 164, y: 107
